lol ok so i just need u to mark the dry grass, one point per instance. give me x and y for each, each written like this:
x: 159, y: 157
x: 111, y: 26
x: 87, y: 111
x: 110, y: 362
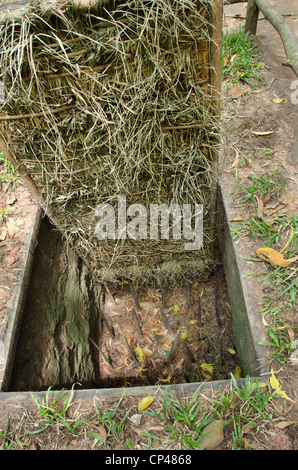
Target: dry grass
x: 115, y: 100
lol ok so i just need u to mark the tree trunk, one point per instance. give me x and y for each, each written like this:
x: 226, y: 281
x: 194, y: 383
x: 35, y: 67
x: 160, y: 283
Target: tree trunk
x: 252, y: 16
x: 285, y: 31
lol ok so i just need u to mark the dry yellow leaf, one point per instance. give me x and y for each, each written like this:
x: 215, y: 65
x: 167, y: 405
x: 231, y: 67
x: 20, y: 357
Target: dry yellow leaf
x: 274, y: 257
x: 145, y: 402
x: 237, y: 372
x: 275, y: 385
x: 231, y: 350
x: 139, y: 353
x: 263, y: 133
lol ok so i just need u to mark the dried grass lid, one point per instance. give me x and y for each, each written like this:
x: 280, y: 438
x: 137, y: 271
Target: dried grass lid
x: 16, y: 9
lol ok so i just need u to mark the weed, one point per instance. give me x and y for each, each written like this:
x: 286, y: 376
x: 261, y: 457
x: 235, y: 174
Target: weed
x: 8, y: 175
x: 183, y: 422
x: 113, y: 427
x: 9, y: 441
x: 240, y: 59
x: 54, y: 413
x: 259, y: 186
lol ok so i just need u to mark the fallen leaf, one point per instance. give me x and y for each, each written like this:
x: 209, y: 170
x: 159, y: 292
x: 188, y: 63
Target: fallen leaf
x: 262, y: 133
x: 294, y: 357
x: 184, y: 335
x: 266, y: 198
x: 176, y: 309
x: 11, y: 200
x: 274, y: 257
x: 261, y: 65
x: 147, y: 352
x: 237, y: 372
x: 207, y: 367
x: 291, y: 334
x: 277, y: 100
x: 33, y: 446
x: 140, y: 355
x: 3, y: 234
x: 263, y: 385
x: 145, y: 402
x: 247, y: 428
x: 284, y: 424
x: 234, y: 56
x: 239, y: 218
x: 260, y: 206
x: 275, y: 385
x: 231, y: 351
x: 98, y: 432
x: 136, y: 419
x: 236, y: 90
x: 236, y: 161
x: 212, y: 435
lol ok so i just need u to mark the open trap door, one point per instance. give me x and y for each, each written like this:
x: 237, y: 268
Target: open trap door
x: 75, y: 329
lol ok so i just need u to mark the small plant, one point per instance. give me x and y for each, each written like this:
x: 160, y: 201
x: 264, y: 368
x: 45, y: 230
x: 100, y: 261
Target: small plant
x: 54, y: 413
x: 111, y: 425
x: 183, y: 422
x: 7, y: 440
x: 239, y: 59
x: 259, y: 186
x: 8, y: 175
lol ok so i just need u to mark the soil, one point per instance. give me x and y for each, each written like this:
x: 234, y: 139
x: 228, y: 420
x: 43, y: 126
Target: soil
x: 250, y: 110
x: 205, y: 346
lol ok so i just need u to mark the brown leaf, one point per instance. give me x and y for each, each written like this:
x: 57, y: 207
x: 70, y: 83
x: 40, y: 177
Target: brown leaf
x: 260, y: 206
x: 284, y: 424
x: 274, y: 257
x: 213, y: 435
x: 237, y: 89
x: 3, y: 234
x: 266, y: 198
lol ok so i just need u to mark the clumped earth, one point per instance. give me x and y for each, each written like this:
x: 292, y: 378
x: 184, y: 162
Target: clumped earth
x: 271, y: 423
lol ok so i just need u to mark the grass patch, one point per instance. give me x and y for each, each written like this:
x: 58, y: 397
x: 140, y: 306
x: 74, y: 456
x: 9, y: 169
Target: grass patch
x: 179, y: 422
x: 240, y: 60
x: 8, y: 175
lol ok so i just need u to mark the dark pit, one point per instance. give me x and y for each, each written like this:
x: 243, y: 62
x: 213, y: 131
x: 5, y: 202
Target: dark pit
x: 74, y: 331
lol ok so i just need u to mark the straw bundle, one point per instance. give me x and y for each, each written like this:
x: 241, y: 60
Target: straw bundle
x: 115, y: 99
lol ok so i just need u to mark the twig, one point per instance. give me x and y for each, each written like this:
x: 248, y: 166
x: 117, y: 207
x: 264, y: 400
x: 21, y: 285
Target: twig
x: 42, y: 113
x: 166, y: 322
x: 174, y: 348
x: 189, y: 352
x: 111, y: 297
x: 131, y: 353
x: 137, y: 323
x: 186, y: 126
x: 134, y: 295
x: 217, y: 309
x: 188, y: 293
x: 107, y: 325
x: 199, y: 311
x: 107, y: 358
x: 163, y: 294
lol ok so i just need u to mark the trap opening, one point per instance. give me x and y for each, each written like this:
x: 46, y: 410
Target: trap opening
x: 76, y: 330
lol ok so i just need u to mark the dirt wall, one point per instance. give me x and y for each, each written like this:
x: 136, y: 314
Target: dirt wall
x: 61, y: 314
